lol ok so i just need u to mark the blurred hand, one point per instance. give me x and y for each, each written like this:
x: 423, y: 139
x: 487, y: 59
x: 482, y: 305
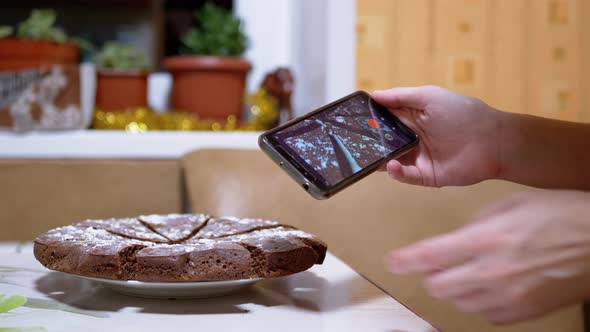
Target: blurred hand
x: 517, y: 260
x: 458, y: 136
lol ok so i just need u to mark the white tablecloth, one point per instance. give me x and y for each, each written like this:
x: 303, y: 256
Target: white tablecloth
x: 328, y: 297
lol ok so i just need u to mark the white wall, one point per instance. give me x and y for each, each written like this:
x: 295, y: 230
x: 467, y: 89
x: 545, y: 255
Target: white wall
x: 340, y: 48
x: 268, y: 25
x: 315, y: 38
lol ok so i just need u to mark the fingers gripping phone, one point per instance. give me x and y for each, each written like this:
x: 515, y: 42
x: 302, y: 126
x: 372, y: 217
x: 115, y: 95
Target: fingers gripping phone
x: 331, y: 148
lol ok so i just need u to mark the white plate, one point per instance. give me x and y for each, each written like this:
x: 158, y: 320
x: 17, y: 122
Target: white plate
x: 175, y: 290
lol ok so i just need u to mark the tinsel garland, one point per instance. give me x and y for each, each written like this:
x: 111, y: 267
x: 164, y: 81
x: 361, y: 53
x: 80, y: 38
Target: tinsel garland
x: 262, y: 112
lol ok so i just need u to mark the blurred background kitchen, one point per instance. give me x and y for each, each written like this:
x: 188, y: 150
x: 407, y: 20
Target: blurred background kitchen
x: 109, y: 133
x: 521, y: 56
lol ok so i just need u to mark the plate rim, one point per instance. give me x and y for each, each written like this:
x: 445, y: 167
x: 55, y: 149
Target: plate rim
x: 171, y: 284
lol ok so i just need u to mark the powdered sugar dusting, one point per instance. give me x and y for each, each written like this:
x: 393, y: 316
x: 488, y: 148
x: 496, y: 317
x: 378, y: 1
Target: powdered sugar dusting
x: 129, y: 227
x: 175, y: 227
x: 281, y: 232
x: 86, y: 235
x: 225, y: 226
x: 132, y: 231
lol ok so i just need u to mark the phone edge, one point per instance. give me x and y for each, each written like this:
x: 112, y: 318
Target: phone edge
x: 296, y: 176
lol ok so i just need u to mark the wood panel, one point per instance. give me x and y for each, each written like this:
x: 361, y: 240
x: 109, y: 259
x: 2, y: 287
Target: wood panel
x: 509, y: 70
x: 462, y: 30
x: 554, y: 59
x: 413, y: 66
x: 518, y: 55
x: 585, y: 63
x: 376, y: 38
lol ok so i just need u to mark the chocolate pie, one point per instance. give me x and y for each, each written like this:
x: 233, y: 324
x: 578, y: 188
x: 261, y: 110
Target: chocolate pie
x: 179, y: 247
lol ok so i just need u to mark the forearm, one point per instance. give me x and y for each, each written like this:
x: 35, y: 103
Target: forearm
x: 544, y: 153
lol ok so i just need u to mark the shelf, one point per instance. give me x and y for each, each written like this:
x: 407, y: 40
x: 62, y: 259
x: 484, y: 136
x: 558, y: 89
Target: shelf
x: 106, y: 144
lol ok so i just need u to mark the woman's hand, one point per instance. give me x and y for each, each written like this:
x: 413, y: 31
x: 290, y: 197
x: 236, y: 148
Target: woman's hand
x: 518, y: 259
x: 458, y: 136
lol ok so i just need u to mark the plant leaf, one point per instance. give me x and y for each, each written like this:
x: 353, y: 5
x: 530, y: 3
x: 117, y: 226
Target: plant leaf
x: 6, y: 31
x: 120, y: 57
x: 15, y: 301
x: 39, y: 25
x: 52, y: 305
x: 23, y: 329
x: 219, y: 33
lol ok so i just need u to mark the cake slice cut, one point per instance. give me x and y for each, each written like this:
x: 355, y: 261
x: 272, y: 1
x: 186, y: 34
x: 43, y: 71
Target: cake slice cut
x: 175, y: 227
x: 281, y: 250
x: 125, y: 227
x: 228, y: 226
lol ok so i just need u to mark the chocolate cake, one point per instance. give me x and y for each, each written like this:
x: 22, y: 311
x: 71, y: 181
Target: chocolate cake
x: 179, y: 247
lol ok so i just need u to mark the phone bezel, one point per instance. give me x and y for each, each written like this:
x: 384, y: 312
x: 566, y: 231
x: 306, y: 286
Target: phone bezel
x: 304, y: 174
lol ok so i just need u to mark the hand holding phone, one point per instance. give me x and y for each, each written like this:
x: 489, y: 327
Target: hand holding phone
x: 331, y: 148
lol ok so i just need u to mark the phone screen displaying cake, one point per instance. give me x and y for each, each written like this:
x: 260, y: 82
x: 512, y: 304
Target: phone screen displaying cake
x: 341, y: 140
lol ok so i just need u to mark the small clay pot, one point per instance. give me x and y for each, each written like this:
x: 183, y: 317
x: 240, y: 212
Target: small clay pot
x: 212, y: 87
x: 18, y: 54
x: 120, y: 91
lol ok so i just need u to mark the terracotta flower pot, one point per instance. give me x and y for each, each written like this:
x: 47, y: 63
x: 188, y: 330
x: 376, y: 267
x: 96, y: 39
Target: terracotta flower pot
x: 118, y: 91
x: 17, y: 54
x: 212, y: 87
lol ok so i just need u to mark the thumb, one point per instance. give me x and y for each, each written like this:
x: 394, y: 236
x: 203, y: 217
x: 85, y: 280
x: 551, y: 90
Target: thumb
x: 409, y: 174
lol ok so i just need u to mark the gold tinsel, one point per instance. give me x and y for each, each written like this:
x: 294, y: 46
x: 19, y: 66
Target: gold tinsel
x: 262, y: 112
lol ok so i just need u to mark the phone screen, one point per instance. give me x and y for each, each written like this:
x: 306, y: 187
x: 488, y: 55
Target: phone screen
x: 343, y: 139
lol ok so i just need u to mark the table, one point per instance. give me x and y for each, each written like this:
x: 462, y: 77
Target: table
x: 327, y: 297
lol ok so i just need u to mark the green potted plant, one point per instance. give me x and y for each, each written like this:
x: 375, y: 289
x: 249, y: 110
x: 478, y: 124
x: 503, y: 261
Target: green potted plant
x: 36, y: 43
x: 121, y: 77
x: 209, y: 77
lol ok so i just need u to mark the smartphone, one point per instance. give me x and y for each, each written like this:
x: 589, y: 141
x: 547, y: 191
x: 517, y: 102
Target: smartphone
x: 333, y: 147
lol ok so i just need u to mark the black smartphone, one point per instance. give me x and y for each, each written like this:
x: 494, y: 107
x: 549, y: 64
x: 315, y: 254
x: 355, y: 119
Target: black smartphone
x: 332, y: 147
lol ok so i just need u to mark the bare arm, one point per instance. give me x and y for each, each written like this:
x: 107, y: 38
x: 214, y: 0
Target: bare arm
x: 544, y: 153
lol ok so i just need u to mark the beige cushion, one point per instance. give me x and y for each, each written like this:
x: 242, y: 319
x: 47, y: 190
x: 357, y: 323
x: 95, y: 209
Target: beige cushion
x: 37, y: 195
